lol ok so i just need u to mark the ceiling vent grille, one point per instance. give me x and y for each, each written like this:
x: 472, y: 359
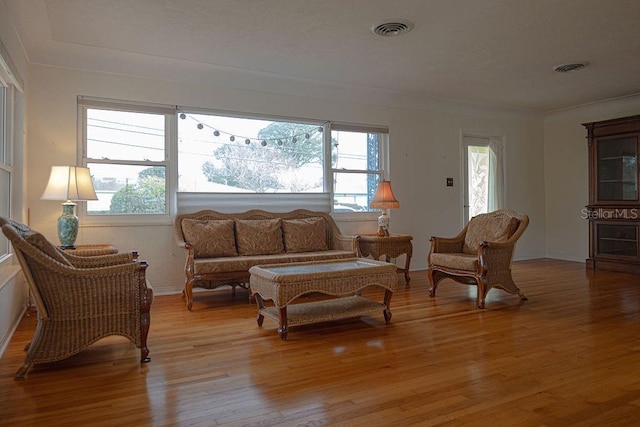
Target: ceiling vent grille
x: 392, y: 28
x: 565, y: 68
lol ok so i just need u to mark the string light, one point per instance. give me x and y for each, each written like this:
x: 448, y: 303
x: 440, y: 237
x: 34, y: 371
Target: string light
x: 280, y: 141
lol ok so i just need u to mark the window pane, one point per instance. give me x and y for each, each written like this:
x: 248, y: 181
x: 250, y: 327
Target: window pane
x: 127, y: 189
x: 354, y: 150
x: 125, y: 135
x: 231, y: 154
x: 5, y: 209
x: 352, y: 191
x: 478, y: 160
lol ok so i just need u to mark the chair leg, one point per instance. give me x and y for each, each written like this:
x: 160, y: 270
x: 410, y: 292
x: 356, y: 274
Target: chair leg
x: 22, y: 371
x: 188, y: 293
x: 433, y: 282
x: 483, y: 289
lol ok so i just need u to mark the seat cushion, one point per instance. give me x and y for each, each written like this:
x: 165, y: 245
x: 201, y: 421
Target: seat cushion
x: 304, y: 235
x: 210, y: 238
x: 456, y: 261
x: 244, y: 263
x: 488, y: 228
x: 259, y: 237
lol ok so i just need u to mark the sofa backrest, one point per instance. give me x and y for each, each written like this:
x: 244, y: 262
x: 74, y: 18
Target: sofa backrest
x: 235, y: 233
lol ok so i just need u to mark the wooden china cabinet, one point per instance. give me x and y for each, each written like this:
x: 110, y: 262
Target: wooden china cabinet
x: 614, y: 202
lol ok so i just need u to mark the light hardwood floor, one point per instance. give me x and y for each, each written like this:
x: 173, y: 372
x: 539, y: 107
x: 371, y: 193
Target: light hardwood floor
x: 568, y: 356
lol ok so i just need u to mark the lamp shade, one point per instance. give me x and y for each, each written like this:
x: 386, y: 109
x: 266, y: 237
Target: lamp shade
x: 384, y: 198
x: 69, y: 183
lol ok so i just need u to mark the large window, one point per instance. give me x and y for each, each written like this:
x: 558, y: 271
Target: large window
x: 144, y: 158
x: 126, y: 149
x: 356, y: 165
x: 222, y: 154
x: 232, y: 154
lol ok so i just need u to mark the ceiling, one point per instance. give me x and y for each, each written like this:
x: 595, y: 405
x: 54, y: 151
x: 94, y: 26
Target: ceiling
x: 496, y: 52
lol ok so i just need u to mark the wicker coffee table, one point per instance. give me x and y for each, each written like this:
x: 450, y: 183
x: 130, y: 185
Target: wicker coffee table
x: 283, y: 283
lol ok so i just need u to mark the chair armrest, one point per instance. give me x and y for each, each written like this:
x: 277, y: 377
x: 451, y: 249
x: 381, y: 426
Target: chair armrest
x: 495, y: 254
x: 89, y: 290
x: 446, y: 244
x: 95, y: 261
x: 345, y: 243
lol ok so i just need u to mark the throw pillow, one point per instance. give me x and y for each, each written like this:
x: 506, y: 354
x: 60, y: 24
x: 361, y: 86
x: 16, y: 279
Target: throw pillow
x: 259, y: 237
x: 210, y: 238
x: 39, y: 241
x: 305, y: 235
x: 486, y: 228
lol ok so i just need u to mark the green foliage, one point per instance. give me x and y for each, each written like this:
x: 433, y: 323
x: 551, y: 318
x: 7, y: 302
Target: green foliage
x: 291, y: 154
x: 157, y: 171
x: 145, y: 197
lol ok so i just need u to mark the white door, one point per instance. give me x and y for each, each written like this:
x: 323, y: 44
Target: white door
x: 483, y: 175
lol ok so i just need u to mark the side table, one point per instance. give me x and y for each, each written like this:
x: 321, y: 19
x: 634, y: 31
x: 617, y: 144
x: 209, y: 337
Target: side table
x: 93, y: 250
x: 391, y: 246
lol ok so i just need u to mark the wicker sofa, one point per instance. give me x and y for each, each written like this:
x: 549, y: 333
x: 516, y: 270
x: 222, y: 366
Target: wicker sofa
x: 222, y: 247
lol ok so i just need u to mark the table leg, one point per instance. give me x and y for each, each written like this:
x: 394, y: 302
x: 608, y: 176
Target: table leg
x: 387, y: 302
x: 260, y: 317
x: 406, y: 269
x: 283, y: 329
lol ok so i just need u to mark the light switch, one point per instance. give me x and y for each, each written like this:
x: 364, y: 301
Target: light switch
x: 449, y: 182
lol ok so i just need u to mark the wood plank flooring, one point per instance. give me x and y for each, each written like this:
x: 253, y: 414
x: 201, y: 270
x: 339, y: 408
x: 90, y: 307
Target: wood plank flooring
x: 568, y: 356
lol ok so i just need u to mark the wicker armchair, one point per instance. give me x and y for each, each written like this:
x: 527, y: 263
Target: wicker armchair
x: 480, y: 254
x: 79, y: 299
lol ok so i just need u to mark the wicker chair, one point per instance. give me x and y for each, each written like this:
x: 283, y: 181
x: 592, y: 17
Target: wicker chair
x: 480, y: 254
x: 79, y: 299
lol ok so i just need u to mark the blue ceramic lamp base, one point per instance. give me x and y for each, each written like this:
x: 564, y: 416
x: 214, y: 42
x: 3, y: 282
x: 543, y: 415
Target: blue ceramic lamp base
x: 68, y: 226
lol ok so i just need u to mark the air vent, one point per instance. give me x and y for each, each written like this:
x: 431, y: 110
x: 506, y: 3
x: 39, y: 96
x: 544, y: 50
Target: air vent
x: 392, y: 28
x: 565, y: 68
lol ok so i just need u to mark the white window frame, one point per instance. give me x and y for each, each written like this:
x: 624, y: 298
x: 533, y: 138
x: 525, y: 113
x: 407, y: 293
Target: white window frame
x: 6, y: 157
x: 86, y: 103
x: 180, y: 202
x: 10, y: 142
x: 383, y: 163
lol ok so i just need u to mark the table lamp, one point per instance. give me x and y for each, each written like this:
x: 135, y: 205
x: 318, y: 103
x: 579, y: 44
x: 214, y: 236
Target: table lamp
x: 384, y: 199
x: 69, y: 183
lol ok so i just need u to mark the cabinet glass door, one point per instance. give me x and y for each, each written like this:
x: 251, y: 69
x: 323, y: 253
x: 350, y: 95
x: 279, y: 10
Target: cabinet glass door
x: 618, y: 169
x: 617, y: 240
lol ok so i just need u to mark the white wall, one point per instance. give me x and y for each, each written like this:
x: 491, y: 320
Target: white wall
x: 13, y: 291
x: 566, y: 174
x: 425, y: 149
